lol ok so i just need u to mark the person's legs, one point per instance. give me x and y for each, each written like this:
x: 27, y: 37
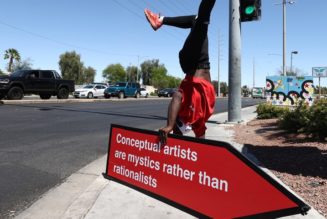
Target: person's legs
x: 195, y: 49
x: 157, y: 21
x: 180, y: 22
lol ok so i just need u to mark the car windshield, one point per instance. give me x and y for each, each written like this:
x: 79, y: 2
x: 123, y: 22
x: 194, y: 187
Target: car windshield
x: 120, y: 85
x: 17, y: 73
x: 88, y: 86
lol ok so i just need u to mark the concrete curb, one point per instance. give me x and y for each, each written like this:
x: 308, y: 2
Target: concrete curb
x: 81, y: 206
x: 67, y: 196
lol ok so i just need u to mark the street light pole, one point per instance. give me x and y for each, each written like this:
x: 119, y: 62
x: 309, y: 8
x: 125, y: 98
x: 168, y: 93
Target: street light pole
x: 219, y: 56
x: 293, y: 52
x: 284, y: 34
x: 284, y: 37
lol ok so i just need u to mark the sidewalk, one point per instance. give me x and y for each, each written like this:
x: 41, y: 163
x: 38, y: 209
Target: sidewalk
x: 86, y: 194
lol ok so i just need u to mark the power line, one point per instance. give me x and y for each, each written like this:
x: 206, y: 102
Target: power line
x: 60, y: 42
x: 172, y: 34
x: 169, y: 7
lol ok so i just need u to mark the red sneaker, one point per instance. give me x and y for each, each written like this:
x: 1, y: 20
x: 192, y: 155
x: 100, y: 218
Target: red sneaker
x: 153, y: 19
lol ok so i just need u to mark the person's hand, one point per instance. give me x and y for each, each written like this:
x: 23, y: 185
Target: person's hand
x: 163, y: 135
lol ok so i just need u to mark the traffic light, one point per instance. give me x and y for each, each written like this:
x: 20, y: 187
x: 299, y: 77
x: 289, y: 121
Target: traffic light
x: 250, y: 10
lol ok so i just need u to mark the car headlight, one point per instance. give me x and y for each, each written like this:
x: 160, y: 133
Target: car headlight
x: 4, y: 81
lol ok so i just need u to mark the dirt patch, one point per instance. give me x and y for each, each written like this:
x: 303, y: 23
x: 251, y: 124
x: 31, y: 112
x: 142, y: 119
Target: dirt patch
x: 300, y: 162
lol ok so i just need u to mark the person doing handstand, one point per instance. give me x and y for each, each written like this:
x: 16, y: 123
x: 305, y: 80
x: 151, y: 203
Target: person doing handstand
x: 193, y: 103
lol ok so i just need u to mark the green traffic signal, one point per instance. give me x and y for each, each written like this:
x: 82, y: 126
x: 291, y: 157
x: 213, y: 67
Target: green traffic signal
x: 249, y: 10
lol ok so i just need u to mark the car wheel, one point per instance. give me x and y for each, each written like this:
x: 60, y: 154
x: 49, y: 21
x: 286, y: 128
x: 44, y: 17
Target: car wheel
x: 121, y: 95
x: 90, y: 95
x: 146, y: 95
x: 45, y: 96
x: 137, y: 95
x: 15, y: 93
x: 63, y: 93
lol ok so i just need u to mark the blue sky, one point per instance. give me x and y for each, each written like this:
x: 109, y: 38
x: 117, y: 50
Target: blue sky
x: 105, y: 32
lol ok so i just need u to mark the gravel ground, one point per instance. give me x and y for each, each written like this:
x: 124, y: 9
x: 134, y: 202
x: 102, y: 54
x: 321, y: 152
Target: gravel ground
x: 301, y: 163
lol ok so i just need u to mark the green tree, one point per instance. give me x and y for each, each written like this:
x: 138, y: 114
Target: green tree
x: 13, y: 55
x: 245, y: 91
x: 22, y: 65
x: 1, y: 73
x: 71, y: 67
x: 131, y: 73
x: 294, y: 72
x: 114, y: 73
x: 89, y: 75
x: 159, y: 77
x: 223, y: 87
x: 147, y: 68
x: 173, y: 81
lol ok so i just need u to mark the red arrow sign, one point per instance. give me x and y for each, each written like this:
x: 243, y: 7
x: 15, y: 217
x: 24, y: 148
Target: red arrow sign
x: 204, y: 178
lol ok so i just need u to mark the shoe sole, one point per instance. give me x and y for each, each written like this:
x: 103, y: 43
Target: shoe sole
x: 149, y: 20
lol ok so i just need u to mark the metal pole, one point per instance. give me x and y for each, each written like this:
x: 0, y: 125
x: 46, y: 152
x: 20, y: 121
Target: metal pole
x: 291, y: 70
x: 234, y: 63
x: 319, y: 88
x: 218, y: 65
x: 253, y: 72
x: 137, y: 72
x: 284, y: 37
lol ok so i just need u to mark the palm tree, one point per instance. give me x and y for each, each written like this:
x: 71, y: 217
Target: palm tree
x: 11, y: 54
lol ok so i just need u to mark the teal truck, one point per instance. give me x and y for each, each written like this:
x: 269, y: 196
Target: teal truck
x: 258, y: 92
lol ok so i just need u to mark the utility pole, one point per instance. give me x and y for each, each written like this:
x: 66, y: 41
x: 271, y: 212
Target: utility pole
x: 234, y: 63
x: 284, y: 33
x: 284, y: 37
x: 219, y: 55
x: 137, y: 72
x: 253, y: 72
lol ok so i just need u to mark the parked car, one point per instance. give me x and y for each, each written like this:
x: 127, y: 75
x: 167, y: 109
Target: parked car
x: 122, y: 90
x: 90, y: 91
x: 144, y: 93
x: 102, y: 83
x: 45, y: 83
x: 167, y: 92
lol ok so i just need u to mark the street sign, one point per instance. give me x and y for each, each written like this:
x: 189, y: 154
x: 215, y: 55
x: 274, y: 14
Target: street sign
x: 208, y: 179
x: 319, y: 71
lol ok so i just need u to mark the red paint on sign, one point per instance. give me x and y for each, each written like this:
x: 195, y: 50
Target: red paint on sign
x: 212, y: 180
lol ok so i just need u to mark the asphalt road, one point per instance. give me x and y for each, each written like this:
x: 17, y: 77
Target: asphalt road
x: 41, y: 144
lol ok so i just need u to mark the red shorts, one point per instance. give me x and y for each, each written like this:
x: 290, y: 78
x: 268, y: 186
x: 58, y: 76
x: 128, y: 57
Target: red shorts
x: 198, y: 101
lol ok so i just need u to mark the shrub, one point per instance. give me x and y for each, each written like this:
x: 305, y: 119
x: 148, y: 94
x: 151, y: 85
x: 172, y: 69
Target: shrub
x: 318, y: 124
x: 268, y: 111
x: 296, y: 120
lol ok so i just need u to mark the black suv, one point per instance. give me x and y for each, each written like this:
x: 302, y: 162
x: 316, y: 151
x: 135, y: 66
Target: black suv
x: 45, y: 83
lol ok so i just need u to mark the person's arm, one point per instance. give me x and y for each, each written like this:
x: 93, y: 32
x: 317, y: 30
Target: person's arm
x: 173, y: 109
